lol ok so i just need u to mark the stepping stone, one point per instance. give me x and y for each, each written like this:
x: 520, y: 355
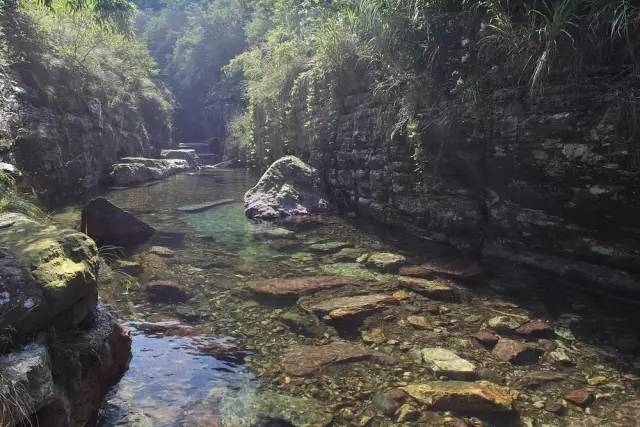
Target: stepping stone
x: 516, y: 352
x: 298, y: 286
x: 435, y: 289
x: 462, y: 396
x: 201, y: 207
x: 309, y: 359
x: 329, y: 247
x: 383, y: 261
x: 459, y: 269
x: 443, y: 362
x: 166, y: 291
x: 342, y: 308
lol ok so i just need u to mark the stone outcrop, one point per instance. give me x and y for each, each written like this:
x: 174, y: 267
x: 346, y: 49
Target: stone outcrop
x: 48, y: 290
x: 289, y: 187
x: 107, y: 224
x: 139, y: 170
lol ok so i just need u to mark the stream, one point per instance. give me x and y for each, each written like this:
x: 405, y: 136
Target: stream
x: 215, y: 358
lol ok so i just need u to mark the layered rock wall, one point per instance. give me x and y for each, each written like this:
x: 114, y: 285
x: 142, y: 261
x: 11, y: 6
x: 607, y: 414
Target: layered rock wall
x: 59, y: 126
x: 548, y: 181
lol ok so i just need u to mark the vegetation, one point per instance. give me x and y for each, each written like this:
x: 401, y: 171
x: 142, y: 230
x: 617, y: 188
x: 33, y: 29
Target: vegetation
x: 11, y: 200
x: 411, y: 56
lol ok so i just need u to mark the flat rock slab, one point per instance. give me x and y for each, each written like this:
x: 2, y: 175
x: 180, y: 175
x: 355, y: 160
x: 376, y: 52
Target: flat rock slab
x: 460, y: 269
x: 309, y: 359
x: 443, y: 362
x: 462, y: 396
x: 516, y: 352
x: 343, y: 308
x: 201, y: 207
x: 298, y: 286
x: 435, y: 289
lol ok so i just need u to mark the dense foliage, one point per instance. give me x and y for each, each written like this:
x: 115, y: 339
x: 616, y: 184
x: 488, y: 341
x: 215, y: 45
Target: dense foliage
x: 192, y: 41
x: 405, y: 52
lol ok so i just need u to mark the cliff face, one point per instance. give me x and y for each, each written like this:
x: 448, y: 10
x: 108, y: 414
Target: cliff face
x: 548, y: 182
x: 551, y: 181
x: 60, y: 126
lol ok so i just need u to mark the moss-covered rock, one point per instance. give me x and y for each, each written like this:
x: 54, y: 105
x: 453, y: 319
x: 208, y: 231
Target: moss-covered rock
x: 44, y: 271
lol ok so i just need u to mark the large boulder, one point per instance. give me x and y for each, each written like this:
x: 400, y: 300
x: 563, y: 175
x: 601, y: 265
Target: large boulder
x: 107, y: 224
x: 289, y: 187
x: 45, y: 272
x: 191, y: 156
x: 138, y: 170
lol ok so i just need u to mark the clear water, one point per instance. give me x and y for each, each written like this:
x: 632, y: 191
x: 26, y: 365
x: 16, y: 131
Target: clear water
x: 178, y: 381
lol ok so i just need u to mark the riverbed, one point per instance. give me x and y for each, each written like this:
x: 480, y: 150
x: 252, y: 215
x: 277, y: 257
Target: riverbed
x: 215, y: 358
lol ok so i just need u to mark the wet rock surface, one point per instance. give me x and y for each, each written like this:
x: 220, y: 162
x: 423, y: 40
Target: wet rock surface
x: 345, y: 308
x: 289, y: 187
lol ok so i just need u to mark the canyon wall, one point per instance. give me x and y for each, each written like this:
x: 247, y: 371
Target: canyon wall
x: 60, y: 124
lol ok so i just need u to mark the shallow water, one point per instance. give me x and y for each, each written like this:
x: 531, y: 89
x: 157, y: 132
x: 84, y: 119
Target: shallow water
x: 182, y: 378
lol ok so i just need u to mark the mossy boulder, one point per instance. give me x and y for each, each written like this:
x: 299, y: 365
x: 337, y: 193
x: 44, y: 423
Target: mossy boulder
x: 44, y: 272
x: 289, y: 187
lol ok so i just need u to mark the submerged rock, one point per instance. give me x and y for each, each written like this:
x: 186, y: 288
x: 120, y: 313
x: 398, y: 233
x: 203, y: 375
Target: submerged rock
x: 268, y: 408
x: 462, y: 396
x: 516, y: 352
x: 459, y: 268
x: 201, y: 207
x: 383, y: 261
x: 309, y: 359
x: 329, y: 247
x: 167, y: 292
x: 107, y: 224
x: 162, y: 251
x: 435, y: 289
x: 443, y: 362
x: 299, y: 286
x: 289, y: 187
x: 343, y: 308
